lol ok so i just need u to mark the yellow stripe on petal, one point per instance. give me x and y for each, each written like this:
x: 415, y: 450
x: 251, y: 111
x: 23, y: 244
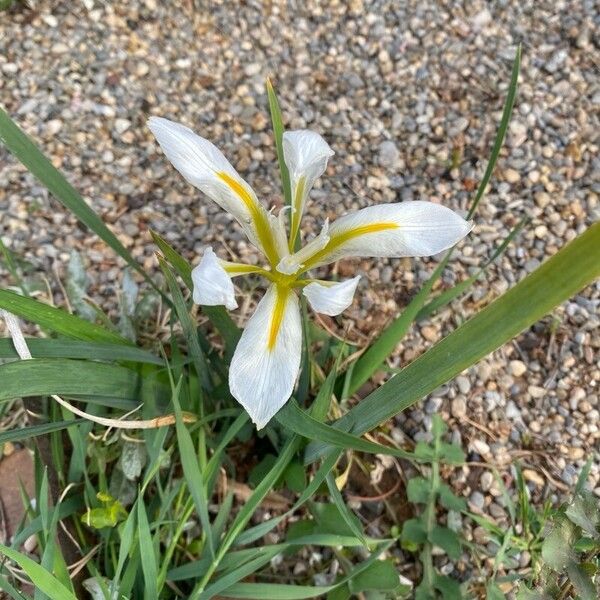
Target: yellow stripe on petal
x: 340, y: 239
x: 257, y: 214
x: 282, y: 295
x: 297, y: 211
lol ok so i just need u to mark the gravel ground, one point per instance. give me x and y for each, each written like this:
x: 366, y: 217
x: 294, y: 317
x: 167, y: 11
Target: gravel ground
x: 408, y: 94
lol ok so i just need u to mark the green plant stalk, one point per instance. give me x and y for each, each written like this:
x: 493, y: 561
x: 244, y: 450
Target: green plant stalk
x: 430, y: 520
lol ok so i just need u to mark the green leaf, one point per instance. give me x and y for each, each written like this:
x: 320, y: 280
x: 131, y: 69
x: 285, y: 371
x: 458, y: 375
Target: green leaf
x: 449, y: 500
x: 418, y: 490
x: 585, y: 512
x: 57, y: 320
x: 45, y: 376
x: 42, y: 580
x: 448, y: 587
x: 348, y: 517
x: 447, y: 540
x: 493, y: 592
x: 77, y: 283
x: 413, y: 534
x: 292, y: 417
x: 63, y: 348
x: 26, y: 433
x: 295, y: 477
x: 39, y: 166
x: 568, y: 271
x: 381, y: 575
x: 451, y: 454
x: 332, y: 521
x: 148, y: 556
x: 108, y: 515
x: 582, y: 582
x: 557, y: 548
x: 277, y: 122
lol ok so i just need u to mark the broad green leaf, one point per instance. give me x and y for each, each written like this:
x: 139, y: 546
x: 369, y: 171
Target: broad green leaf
x: 448, y: 587
x: 451, y: 454
x: 381, y: 575
x: 57, y: 320
x: 557, y: 548
x: 446, y: 539
x: 413, y: 534
x: 64, y: 348
x: 385, y: 344
x: 585, y: 512
x: 582, y: 582
x: 418, y: 490
x: 560, y: 277
x: 45, y: 376
x: 295, y: 477
x: 42, y: 579
x: 39, y: 166
x: 449, y: 500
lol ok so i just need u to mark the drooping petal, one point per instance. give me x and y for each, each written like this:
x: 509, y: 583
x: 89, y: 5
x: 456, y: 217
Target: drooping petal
x: 306, y: 154
x: 414, y: 228
x: 212, y: 284
x: 331, y: 299
x: 205, y: 167
x: 266, y: 362
x: 291, y: 264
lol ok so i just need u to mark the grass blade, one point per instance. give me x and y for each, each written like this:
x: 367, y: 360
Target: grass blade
x: 149, y: 568
x: 26, y: 433
x: 62, y: 348
x: 45, y: 376
x: 568, y: 271
x: 55, y: 319
x: 43, y: 581
x: 277, y: 121
x: 37, y: 164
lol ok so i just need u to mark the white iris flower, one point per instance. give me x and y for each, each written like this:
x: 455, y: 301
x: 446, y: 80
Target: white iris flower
x: 266, y: 362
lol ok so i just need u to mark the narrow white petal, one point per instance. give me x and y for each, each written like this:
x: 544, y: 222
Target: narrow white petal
x: 305, y: 154
x: 266, y: 362
x: 205, y: 167
x: 414, y: 228
x: 212, y: 284
x: 331, y: 299
x: 289, y: 265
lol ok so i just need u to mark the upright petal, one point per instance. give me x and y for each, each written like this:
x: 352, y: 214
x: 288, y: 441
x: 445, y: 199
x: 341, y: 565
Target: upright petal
x: 306, y: 154
x: 212, y: 284
x: 205, y: 167
x: 331, y: 299
x: 414, y: 228
x: 266, y: 362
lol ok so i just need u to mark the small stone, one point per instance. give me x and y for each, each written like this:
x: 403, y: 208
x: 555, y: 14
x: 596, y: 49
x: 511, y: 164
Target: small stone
x: 429, y: 333
x: 576, y: 453
x: 388, y: 154
x: 142, y: 69
x: 486, y: 480
x: 458, y: 407
x: 535, y: 391
x: 517, y: 368
x: 252, y: 69
x: 534, y: 477
x: 53, y: 126
x: 556, y: 61
x: 59, y: 48
x: 122, y: 125
x: 433, y: 405
x: 542, y: 199
x: 464, y: 385
x: 511, y: 175
x: 477, y: 500
x: 480, y: 447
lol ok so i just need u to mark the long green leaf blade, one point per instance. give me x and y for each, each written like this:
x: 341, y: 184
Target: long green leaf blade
x: 44, y: 376
x: 57, y: 320
x: 556, y: 280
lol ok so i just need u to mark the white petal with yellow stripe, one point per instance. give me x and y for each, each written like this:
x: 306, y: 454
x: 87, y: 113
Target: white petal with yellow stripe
x: 331, y: 298
x: 414, y: 228
x: 204, y: 166
x: 305, y: 154
x: 266, y: 362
